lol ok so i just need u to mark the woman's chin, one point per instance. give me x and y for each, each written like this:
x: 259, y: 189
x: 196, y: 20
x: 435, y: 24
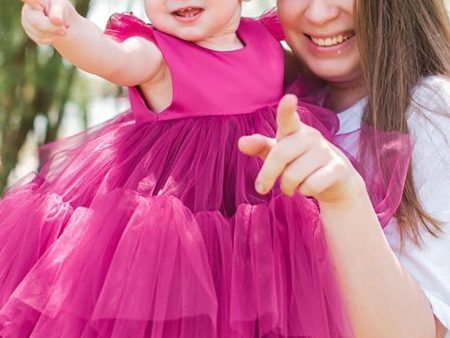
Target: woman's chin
x: 335, y: 71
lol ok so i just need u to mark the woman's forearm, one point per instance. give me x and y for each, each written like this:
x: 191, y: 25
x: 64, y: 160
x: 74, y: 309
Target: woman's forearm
x: 382, y: 299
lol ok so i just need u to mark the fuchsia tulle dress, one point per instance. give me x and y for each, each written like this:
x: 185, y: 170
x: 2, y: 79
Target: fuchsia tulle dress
x: 149, y: 225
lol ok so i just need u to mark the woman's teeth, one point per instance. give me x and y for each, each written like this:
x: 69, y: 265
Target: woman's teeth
x: 332, y: 41
x: 189, y: 12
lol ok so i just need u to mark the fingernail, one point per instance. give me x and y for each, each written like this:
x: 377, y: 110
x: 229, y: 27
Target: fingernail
x: 259, y: 187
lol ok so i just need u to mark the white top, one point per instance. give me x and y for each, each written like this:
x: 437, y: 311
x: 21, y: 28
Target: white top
x: 430, y: 128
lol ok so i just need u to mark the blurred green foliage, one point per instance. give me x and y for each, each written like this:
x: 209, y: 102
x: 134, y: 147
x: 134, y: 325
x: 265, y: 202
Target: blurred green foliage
x: 33, y: 82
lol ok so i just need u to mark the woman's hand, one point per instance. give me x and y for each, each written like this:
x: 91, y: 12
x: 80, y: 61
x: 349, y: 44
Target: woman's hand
x: 303, y: 159
x: 45, y: 20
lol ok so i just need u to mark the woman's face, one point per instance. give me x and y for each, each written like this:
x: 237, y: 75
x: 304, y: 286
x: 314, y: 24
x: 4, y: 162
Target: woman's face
x: 321, y: 33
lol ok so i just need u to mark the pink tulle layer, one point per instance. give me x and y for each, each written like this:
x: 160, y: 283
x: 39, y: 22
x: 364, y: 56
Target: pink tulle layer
x: 155, y: 230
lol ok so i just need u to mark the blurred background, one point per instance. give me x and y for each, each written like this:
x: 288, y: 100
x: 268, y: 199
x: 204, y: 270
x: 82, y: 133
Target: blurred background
x: 43, y: 98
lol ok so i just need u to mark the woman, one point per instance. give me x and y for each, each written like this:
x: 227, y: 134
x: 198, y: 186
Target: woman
x: 385, y: 63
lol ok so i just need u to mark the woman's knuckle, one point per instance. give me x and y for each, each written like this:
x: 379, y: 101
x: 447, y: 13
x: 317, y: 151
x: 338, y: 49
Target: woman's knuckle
x: 285, y: 189
x: 305, y: 189
x: 313, y: 133
x: 340, y: 168
x: 289, y: 177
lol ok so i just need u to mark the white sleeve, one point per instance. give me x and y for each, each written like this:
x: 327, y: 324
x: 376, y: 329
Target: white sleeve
x: 429, y: 123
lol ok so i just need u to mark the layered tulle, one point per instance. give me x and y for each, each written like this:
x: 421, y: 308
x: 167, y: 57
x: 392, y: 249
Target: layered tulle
x: 155, y: 230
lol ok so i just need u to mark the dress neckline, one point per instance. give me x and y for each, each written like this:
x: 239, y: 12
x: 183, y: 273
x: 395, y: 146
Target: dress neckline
x: 239, y: 35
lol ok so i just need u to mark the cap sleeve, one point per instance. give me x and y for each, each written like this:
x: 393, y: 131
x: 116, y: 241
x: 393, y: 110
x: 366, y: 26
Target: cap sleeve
x: 272, y: 23
x: 122, y: 26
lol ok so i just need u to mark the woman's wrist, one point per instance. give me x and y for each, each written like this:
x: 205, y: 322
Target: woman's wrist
x: 352, y: 198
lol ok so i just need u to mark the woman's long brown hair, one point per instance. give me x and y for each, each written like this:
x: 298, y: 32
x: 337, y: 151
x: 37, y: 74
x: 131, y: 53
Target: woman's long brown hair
x: 401, y: 41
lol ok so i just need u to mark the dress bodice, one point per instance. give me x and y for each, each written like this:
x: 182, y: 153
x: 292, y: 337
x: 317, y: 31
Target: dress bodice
x: 208, y: 82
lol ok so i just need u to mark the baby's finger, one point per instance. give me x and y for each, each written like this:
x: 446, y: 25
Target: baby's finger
x: 56, y: 13
x: 288, y: 120
x: 35, y: 4
x: 37, y: 37
x: 40, y: 23
x: 256, y: 145
x: 38, y: 27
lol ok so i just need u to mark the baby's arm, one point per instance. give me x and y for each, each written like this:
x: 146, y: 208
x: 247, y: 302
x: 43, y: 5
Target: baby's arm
x: 132, y: 62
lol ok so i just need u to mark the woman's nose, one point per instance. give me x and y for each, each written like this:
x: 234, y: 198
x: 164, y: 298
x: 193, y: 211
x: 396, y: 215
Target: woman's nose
x: 320, y: 12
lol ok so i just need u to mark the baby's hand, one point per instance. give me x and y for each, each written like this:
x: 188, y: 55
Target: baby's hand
x: 45, y: 20
x: 303, y: 159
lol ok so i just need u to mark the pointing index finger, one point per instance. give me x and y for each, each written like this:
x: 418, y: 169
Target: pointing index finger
x: 288, y: 121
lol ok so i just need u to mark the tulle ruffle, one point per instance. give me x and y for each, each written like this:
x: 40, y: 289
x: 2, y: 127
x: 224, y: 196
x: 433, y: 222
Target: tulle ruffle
x: 155, y: 230
x: 148, y: 267
x: 122, y: 26
x: 272, y: 22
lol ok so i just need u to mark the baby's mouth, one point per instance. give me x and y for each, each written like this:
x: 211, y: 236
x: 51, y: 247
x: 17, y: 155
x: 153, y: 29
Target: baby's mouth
x: 331, y: 41
x: 188, y: 12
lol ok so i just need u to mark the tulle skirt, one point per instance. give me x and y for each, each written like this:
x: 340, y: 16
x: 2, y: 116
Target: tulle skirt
x: 155, y: 230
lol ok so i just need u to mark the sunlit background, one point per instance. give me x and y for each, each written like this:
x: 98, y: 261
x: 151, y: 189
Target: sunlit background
x: 43, y: 98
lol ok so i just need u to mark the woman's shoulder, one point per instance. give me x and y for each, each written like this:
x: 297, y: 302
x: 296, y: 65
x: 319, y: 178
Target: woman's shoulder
x: 431, y: 95
x: 429, y: 111
x: 433, y: 85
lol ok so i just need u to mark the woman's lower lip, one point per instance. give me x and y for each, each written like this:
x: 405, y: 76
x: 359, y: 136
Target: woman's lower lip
x: 188, y: 19
x: 328, y: 50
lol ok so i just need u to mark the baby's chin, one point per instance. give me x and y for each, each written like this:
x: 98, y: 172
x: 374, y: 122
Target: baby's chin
x: 191, y: 34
